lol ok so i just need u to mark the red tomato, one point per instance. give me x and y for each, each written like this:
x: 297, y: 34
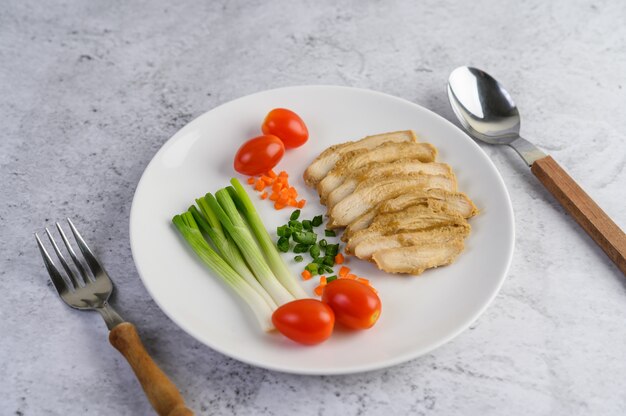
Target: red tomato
x: 258, y: 155
x: 355, y: 304
x: 286, y: 125
x: 307, y: 321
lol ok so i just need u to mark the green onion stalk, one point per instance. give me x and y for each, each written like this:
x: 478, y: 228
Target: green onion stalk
x: 190, y: 231
x: 276, y: 262
x: 226, y: 211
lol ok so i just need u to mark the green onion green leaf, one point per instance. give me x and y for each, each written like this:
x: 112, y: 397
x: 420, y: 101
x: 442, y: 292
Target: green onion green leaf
x: 315, y: 251
x: 301, y: 248
x: 305, y: 237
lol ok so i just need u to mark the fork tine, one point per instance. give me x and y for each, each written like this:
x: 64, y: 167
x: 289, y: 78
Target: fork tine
x: 55, y: 276
x: 91, y: 259
x: 70, y: 250
x: 69, y: 271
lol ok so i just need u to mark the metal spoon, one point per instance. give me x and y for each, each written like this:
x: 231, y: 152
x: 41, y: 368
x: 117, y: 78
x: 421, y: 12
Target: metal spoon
x: 488, y: 113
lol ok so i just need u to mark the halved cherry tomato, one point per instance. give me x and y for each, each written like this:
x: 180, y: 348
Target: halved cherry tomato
x: 307, y: 321
x: 258, y: 155
x: 355, y: 304
x: 286, y: 125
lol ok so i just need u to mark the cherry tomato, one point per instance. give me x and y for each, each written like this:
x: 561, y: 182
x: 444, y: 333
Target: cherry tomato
x: 286, y: 125
x: 355, y: 304
x: 258, y: 155
x: 307, y: 321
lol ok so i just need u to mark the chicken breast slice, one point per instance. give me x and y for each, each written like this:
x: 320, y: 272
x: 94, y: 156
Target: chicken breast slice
x: 415, y: 259
x: 414, y: 218
x: 440, y: 235
x: 435, y: 199
x: 389, y: 152
x: 371, y: 192
x: 400, y: 167
x: 329, y: 157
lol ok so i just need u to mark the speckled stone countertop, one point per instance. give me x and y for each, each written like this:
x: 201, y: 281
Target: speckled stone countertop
x: 90, y: 90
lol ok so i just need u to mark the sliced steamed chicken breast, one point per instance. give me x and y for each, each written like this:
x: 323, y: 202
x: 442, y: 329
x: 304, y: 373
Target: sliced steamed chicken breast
x: 388, y: 152
x: 329, y: 157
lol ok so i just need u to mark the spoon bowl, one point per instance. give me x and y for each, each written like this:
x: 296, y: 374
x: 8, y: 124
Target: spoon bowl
x: 483, y: 106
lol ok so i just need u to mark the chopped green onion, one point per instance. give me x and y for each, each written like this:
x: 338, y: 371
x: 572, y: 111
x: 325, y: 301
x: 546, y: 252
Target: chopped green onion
x: 298, y: 259
x: 323, y: 243
x: 317, y: 221
x: 301, y: 248
x: 283, y: 244
x: 312, y: 268
x: 305, y: 237
x: 295, y: 215
x: 332, y: 250
x: 295, y: 225
x: 330, y: 233
x: 306, y: 224
x: 283, y: 231
x: 318, y: 260
x: 329, y: 260
x: 314, y: 251
x: 331, y: 278
x: 328, y: 269
x: 276, y: 262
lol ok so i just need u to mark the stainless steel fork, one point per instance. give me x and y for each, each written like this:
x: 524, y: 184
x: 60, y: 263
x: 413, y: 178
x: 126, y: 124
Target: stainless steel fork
x: 91, y: 291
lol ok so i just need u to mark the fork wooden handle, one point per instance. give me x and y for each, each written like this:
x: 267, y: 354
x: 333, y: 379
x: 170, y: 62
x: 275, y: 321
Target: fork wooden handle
x: 162, y: 393
x: 585, y: 211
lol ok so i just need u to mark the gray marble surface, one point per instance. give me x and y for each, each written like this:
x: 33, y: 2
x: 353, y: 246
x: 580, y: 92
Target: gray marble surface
x: 90, y: 90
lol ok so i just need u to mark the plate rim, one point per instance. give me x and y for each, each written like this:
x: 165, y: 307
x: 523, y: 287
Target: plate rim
x: 391, y: 362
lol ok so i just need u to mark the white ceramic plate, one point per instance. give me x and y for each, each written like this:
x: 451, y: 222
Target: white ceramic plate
x: 419, y: 313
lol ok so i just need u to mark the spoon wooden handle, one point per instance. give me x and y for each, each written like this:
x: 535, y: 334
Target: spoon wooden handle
x: 585, y: 211
x: 162, y: 393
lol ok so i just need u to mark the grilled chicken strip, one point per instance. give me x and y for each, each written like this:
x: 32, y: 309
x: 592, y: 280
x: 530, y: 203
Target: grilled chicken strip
x: 388, y: 152
x: 329, y: 157
x: 435, y: 199
x: 440, y: 235
x: 400, y: 167
x: 371, y: 192
x: 414, y: 218
x: 415, y: 259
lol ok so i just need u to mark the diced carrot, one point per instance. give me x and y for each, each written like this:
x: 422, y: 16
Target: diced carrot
x: 260, y: 185
x: 339, y: 258
x: 271, y: 174
x: 277, y: 186
x: 343, y: 271
x: 274, y: 196
x: 292, y: 192
x: 267, y: 179
x: 301, y: 203
x: 364, y: 281
x: 251, y: 180
x: 264, y: 195
x: 322, y: 280
x: 283, y: 174
x: 292, y: 203
x: 279, y: 205
x: 319, y: 290
x: 350, y: 276
x: 306, y: 275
